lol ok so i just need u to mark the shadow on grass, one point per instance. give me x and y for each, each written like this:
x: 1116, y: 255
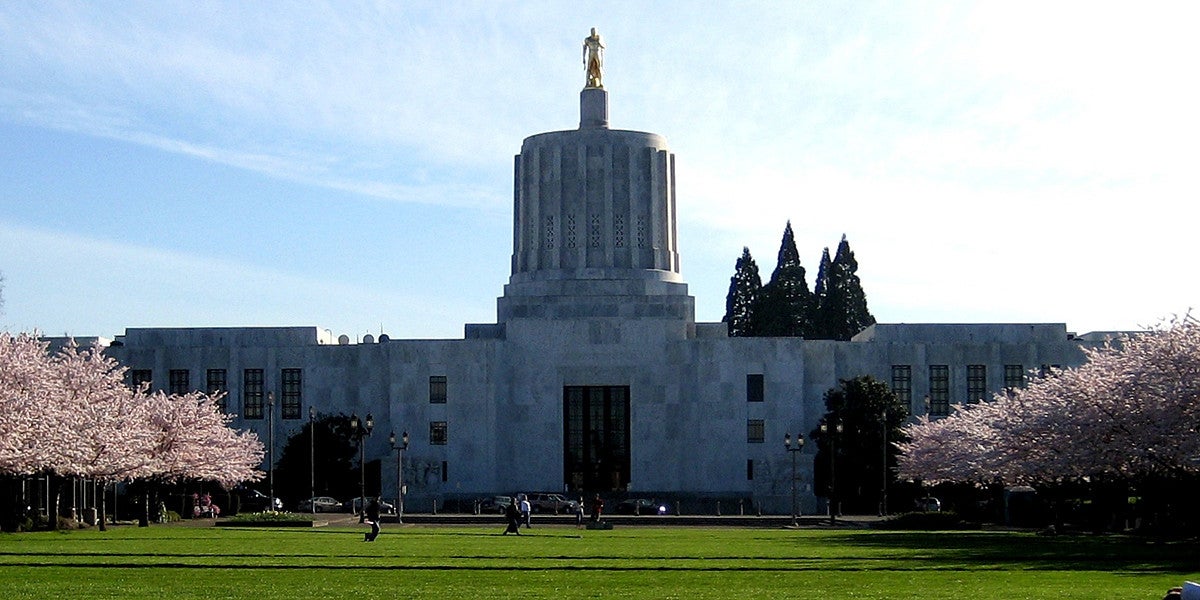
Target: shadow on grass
x: 1035, y: 552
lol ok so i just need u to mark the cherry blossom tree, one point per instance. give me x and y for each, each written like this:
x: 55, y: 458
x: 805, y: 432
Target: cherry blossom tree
x: 72, y: 415
x: 1130, y: 412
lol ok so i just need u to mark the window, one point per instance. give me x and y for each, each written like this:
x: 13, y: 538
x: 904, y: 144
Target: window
x: 754, y: 388
x: 445, y: 471
x: 252, y: 394
x: 437, y: 389
x: 290, y: 407
x: 218, y: 385
x: 139, y: 376
x: 437, y: 433
x: 902, y: 383
x: 976, y: 383
x: 177, y: 382
x: 596, y: 453
x: 1014, y: 377
x: 749, y: 469
x: 754, y: 431
x: 939, y: 390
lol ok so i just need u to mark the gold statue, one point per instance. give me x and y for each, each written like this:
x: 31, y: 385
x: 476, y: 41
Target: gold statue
x: 593, y: 59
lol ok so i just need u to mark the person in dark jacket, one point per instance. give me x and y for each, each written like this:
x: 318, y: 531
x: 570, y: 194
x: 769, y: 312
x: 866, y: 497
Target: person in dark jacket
x: 513, y: 515
x: 372, y: 518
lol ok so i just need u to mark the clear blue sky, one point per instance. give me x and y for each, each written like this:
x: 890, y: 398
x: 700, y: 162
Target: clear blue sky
x: 348, y: 165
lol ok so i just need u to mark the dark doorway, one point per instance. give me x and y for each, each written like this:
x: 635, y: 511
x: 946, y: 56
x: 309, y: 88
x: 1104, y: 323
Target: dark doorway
x: 596, y: 438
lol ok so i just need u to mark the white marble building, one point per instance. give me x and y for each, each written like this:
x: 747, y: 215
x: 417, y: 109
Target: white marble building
x: 595, y: 376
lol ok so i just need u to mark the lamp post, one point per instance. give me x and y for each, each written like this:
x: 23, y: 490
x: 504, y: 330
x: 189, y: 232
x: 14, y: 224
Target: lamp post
x: 399, y: 472
x: 833, y: 507
x: 312, y: 459
x: 271, y: 442
x: 360, y: 431
x: 883, y: 430
x: 793, y: 450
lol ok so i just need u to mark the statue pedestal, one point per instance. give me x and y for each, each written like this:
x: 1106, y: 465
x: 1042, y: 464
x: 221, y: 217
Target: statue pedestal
x: 593, y: 108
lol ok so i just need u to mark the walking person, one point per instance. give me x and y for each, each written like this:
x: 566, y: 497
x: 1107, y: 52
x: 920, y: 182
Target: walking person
x: 579, y: 513
x: 525, y: 510
x: 372, y: 518
x: 512, y: 518
x: 597, y: 508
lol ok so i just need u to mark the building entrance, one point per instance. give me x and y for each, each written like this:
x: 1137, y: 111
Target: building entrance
x: 596, y: 438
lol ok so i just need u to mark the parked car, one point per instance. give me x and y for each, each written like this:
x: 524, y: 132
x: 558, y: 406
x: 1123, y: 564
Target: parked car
x: 494, y: 504
x: 355, y: 506
x: 251, y: 500
x: 552, y: 503
x: 642, y: 506
x: 319, y: 504
x: 929, y: 504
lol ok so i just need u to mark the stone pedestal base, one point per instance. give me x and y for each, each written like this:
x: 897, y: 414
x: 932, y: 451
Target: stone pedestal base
x: 593, y: 108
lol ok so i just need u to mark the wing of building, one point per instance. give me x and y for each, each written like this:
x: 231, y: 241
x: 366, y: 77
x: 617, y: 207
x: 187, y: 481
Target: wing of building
x: 595, y: 376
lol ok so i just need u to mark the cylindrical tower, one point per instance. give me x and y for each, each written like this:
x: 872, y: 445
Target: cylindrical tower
x: 594, y: 223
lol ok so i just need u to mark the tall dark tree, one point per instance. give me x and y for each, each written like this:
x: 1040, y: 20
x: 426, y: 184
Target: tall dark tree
x: 853, y: 315
x: 744, y: 289
x: 336, y: 455
x: 783, y: 306
x: 872, y: 419
x: 841, y: 310
x: 819, y: 315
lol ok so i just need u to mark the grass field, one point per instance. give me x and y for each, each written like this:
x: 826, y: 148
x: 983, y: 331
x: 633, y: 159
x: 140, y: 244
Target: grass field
x: 174, y: 562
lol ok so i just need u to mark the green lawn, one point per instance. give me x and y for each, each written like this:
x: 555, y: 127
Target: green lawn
x: 175, y: 562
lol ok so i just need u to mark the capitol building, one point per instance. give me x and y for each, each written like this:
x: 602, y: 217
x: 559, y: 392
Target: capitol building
x: 595, y: 377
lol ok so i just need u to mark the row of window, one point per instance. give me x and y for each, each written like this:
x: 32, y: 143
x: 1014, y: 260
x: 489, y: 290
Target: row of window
x: 939, y: 384
x: 939, y: 387
x: 291, y: 384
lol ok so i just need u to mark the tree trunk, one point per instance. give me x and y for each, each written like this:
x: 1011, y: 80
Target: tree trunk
x: 101, y: 517
x: 144, y: 517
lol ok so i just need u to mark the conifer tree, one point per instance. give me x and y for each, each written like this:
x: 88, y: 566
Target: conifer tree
x: 819, y: 316
x: 848, y: 313
x: 744, y: 289
x: 783, y: 306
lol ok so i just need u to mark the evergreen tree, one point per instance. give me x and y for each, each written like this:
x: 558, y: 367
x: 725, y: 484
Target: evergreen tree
x: 783, y: 308
x: 335, y: 453
x: 847, y: 312
x: 819, y: 315
x: 867, y: 411
x: 744, y: 289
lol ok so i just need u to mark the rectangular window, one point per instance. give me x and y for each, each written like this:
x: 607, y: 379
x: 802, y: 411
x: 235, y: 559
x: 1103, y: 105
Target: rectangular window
x: 754, y: 431
x: 445, y: 471
x: 177, y: 382
x: 217, y: 384
x: 437, y: 433
x: 902, y: 383
x: 290, y: 406
x: 939, y: 390
x: 976, y: 383
x: 1014, y: 377
x: 754, y: 387
x: 139, y: 376
x: 749, y: 469
x: 437, y: 389
x: 252, y: 394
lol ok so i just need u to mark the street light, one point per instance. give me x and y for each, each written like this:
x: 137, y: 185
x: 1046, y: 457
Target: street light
x: 833, y: 507
x: 271, y: 441
x: 399, y: 472
x: 359, y: 433
x: 312, y: 459
x: 883, y: 427
x: 793, y: 450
